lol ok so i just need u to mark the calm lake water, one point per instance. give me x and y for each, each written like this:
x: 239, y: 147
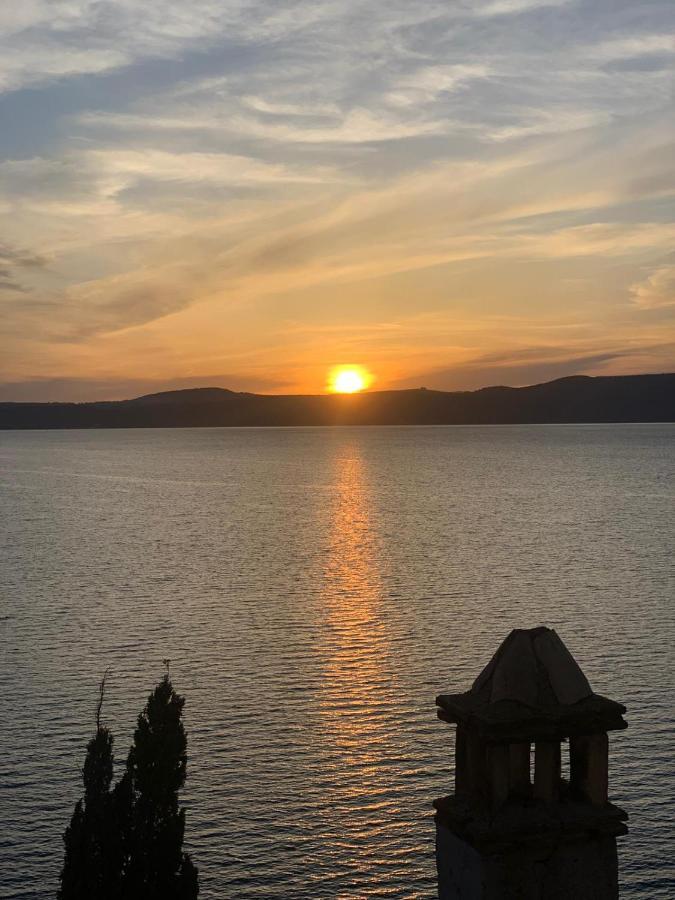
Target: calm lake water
x: 315, y: 589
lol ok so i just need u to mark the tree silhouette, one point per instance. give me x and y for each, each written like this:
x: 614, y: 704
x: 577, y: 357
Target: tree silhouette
x: 157, y: 765
x: 126, y: 843
x: 92, y: 861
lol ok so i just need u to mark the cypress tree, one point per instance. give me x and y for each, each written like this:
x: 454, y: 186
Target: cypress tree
x: 158, y: 869
x: 126, y: 843
x: 92, y: 864
x: 74, y: 877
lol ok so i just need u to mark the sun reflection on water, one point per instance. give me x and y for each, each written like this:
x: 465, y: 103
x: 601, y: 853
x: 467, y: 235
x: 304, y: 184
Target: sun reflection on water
x: 366, y: 810
x: 357, y: 674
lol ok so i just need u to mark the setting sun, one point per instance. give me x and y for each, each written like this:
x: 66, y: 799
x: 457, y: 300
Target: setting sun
x: 348, y: 379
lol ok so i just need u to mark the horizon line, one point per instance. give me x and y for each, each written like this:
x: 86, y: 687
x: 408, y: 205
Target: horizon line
x: 179, y: 390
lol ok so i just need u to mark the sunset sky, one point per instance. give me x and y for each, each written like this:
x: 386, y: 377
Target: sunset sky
x: 245, y: 193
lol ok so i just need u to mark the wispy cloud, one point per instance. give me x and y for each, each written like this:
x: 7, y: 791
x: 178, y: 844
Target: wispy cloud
x: 657, y: 291
x: 629, y: 47
x: 514, y: 7
x: 14, y: 262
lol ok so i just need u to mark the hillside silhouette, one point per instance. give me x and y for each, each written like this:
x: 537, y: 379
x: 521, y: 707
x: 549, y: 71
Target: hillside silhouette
x: 580, y: 398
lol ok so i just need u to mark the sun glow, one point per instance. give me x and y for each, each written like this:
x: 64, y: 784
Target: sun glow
x: 348, y: 379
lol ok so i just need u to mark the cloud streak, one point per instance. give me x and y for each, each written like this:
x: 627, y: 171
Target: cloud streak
x: 657, y: 291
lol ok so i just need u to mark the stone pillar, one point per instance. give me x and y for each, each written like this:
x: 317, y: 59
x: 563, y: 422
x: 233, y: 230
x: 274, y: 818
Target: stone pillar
x: 589, y: 760
x: 476, y: 765
x: 462, y: 775
x: 547, y: 770
x: 499, y: 765
x: 519, y: 769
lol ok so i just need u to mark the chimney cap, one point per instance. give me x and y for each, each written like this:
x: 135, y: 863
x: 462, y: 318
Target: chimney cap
x: 532, y: 689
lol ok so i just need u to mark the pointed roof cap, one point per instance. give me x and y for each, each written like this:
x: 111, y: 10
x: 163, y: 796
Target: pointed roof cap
x: 531, y: 689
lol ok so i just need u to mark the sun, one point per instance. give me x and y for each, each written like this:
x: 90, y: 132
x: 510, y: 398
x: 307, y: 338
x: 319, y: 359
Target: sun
x: 348, y: 382
x: 348, y: 379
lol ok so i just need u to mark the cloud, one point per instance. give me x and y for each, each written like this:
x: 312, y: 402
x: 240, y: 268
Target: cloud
x: 52, y: 39
x: 605, y: 239
x: 86, y: 173
x: 122, y: 167
x: 14, y: 263
x: 426, y: 83
x: 631, y: 47
x: 48, y: 39
x: 19, y: 257
x: 327, y: 233
x: 8, y: 284
x: 355, y: 126
x: 514, y: 7
x: 657, y: 291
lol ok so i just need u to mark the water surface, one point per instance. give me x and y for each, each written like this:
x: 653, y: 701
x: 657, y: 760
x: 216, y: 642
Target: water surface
x: 315, y: 589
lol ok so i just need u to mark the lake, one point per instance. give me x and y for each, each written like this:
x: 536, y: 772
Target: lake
x: 315, y: 589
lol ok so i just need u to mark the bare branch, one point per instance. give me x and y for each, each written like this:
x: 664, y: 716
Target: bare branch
x: 101, y: 697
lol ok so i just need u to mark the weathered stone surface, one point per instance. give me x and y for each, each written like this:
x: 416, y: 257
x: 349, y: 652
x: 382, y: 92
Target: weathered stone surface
x: 519, y: 823
x: 547, y: 771
x: 515, y: 676
x: 460, y: 868
x: 509, y: 722
x: 519, y: 769
x: 476, y: 767
x: 498, y: 763
x: 568, y: 682
x: 462, y: 781
x: 532, y: 689
x: 589, y: 774
x: 585, y: 870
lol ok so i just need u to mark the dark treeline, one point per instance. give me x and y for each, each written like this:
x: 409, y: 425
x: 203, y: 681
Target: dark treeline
x: 625, y: 398
x: 124, y: 842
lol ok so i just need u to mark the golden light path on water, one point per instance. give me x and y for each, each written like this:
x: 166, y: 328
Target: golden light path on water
x: 356, y: 639
x: 359, y: 699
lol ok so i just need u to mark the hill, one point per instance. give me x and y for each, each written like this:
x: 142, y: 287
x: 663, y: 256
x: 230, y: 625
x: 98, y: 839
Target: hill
x: 626, y: 398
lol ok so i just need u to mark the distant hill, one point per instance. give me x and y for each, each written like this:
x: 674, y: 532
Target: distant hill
x: 626, y: 398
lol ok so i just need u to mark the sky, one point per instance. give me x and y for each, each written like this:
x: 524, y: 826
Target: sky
x: 244, y: 193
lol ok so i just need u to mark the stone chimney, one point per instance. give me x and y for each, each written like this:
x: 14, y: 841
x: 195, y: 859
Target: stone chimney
x: 514, y: 828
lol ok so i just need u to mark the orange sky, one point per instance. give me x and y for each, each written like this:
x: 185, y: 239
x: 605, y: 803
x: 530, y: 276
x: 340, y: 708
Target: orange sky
x: 224, y: 195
